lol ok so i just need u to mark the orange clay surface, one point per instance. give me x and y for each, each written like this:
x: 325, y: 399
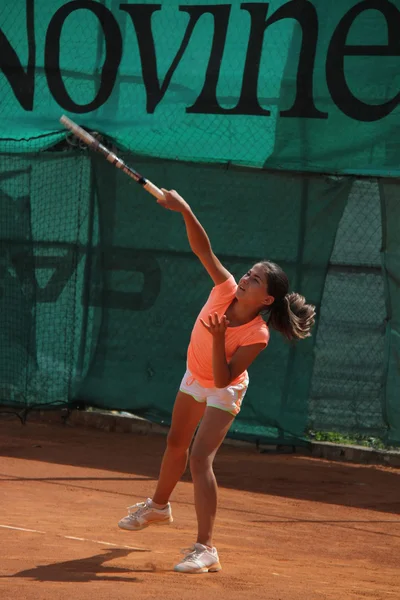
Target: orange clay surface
x: 288, y: 528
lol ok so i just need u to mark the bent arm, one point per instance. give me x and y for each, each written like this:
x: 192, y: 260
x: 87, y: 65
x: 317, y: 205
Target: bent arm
x: 223, y: 372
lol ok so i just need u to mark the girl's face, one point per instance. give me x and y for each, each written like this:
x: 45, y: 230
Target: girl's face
x: 252, y: 288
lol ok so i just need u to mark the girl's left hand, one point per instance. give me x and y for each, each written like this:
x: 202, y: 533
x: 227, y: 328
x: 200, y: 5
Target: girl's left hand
x: 216, y: 326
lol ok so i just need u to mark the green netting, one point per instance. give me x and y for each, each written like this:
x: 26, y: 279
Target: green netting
x: 348, y: 379
x: 298, y: 232
x: 116, y: 288
x: 391, y: 260
x: 109, y: 290
x: 98, y: 288
x: 44, y: 234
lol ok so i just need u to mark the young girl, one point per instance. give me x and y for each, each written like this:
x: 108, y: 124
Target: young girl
x: 227, y: 336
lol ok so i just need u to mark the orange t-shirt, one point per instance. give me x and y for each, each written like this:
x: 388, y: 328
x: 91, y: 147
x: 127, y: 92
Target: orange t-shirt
x: 199, y: 356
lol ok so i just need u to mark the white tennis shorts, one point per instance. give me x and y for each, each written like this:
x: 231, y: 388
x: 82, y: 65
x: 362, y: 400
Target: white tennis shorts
x: 228, y: 399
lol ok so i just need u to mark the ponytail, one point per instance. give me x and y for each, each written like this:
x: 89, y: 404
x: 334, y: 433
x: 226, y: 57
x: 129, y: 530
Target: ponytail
x: 292, y: 316
x: 289, y: 314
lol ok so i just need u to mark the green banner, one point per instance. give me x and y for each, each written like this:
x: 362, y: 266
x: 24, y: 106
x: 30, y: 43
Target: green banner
x: 298, y: 84
x: 100, y: 290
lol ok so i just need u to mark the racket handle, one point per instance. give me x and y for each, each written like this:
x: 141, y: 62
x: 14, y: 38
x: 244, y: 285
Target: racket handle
x: 154, y: 190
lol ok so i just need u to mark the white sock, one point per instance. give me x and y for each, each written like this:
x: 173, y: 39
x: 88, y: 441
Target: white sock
x: 158, y: 506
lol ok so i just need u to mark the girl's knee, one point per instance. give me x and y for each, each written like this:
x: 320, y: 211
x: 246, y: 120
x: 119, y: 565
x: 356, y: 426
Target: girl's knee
x: 199, y: 462
x: 177, y: 442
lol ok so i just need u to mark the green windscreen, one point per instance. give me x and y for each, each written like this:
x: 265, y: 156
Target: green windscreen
x: 302, y: 85
x: 278, y: 121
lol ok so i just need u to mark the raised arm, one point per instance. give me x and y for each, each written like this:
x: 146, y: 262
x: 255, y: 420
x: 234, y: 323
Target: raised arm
x: 197, y: 236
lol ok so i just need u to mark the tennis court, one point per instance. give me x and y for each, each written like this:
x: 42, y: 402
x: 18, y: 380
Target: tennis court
x: 289, y: 527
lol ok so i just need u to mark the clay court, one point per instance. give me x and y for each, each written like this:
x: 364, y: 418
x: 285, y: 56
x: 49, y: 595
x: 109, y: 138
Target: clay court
x: 289, y: 527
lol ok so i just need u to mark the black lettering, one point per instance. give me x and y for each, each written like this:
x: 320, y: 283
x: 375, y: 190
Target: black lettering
x: 64, y: 267
x: 338, y: 49
x: 109, y: 259
x: 23, y: 262
x: 141, y: 15
x: 207, y: 102
x: 301, y: 10
x: 305, y: 13
x: 113, y: 50
x: 21, y: 81
x: 129, y: 260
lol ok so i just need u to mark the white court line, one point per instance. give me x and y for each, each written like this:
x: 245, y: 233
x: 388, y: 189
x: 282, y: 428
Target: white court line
x: 70, y: 537
x: 21, y: 529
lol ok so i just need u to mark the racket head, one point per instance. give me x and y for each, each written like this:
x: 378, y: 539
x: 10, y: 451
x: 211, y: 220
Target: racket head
x: 78, y: 131
x: 94, y: 144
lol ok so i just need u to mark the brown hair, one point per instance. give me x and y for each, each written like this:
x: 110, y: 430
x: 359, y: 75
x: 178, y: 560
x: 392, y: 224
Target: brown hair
x: 289, y: 313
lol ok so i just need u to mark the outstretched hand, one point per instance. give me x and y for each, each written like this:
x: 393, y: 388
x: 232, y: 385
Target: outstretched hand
x: 216, y: 326
x: 173, y: 201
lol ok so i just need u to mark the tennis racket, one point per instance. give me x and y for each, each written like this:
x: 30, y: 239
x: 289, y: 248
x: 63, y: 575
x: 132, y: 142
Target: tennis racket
x: 95, y: 145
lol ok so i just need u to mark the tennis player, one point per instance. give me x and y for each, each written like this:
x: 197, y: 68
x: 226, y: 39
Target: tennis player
x: 227, y: 336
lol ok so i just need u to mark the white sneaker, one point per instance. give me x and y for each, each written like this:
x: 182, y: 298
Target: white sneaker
x: 199, y: 559
x: 143, y: 514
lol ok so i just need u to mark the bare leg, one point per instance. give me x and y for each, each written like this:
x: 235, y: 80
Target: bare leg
x: 185, y: 418
x: 211, y: 434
